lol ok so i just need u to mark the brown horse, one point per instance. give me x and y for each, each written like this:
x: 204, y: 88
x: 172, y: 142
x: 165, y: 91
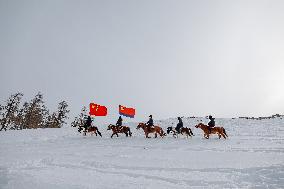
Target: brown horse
x: 155, y: 129
x: 220, y: 131
x: 183, y: 130
x: 119, y: 129
x: 92, y: 130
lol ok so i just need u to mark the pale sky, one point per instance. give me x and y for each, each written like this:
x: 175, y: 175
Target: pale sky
x: 165, y: 58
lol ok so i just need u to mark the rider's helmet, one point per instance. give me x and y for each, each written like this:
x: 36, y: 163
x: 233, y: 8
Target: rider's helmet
x: 210, y: 117
x: 150, y: 116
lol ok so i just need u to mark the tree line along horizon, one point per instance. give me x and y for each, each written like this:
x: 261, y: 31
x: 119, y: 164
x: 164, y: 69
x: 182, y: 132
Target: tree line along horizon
x: 33, y: 114
x: 15, y: 115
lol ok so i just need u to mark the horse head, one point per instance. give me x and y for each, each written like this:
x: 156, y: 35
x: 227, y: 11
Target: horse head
x: 109, y: 127
x: 140, y: 125
x: 169, y: 129
x: 199, y: 125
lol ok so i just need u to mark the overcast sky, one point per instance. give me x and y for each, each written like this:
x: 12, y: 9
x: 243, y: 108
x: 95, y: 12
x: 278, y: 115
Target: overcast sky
x: 165, y: 58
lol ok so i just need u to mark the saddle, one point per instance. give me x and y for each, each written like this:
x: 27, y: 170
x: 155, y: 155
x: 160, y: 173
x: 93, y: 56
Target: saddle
x: 118, y: 128
x: 178, y: 130
x: 150, y: 127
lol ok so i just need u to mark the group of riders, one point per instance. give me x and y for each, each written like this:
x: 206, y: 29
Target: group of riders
x: 149, y: 124
x: 179, y: 126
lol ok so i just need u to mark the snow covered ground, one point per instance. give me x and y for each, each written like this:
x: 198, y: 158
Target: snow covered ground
x: 252, y: 157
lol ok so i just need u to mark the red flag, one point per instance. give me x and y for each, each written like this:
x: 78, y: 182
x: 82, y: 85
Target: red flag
x: 128, y: 112
x: 97, y: 110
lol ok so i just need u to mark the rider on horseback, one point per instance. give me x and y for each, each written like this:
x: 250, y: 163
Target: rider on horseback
x: 119, y: 121
x: 179, y: 125
x: 150, y: 123
x: 87, y: 124
x: 211, y: 123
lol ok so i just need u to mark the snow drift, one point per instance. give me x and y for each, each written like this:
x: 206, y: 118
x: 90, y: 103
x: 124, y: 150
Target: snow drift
x: 252, y: 157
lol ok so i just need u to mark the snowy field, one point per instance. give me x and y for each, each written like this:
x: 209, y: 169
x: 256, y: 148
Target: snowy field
x: 252, y: 157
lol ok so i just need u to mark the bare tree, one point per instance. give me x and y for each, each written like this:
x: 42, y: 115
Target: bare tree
x: 19, y: 120
x: 9, y: 111
x: 80, y: 119
x: 34, y: 113
x: 31, y: 115
x: 57, y: 119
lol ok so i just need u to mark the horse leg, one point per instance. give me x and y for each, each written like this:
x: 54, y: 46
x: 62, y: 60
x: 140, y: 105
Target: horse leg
x: 174, y: 134
x: 187, y: 134
x: 223, y: 135
x: 116, y: 134
x: 126, y: 134
x: 112, y: 135
x: 219, y: 136
x: 147, y: 135
x: 80, y: 129
x: 206, y: 136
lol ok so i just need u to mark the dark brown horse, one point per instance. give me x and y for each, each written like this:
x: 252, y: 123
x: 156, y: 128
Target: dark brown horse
x: 220, y: 131
x: 155, y: 129
x: 92, y: 130
x: 184, y: 131
x: 119, y: 129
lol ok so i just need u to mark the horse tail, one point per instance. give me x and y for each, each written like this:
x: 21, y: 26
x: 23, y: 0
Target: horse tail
x: 224, y: 131
x: 130, y: 134
x: 98, y: 131
x: 190, y: 131
x: 163, y: 133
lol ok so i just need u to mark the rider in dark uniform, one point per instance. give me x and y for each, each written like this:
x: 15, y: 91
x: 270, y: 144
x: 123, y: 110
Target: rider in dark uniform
x: 119, y: 121
x: 150, y: 123
x: 179, y: 125
x: 87, y: 124
x: 211, y: 123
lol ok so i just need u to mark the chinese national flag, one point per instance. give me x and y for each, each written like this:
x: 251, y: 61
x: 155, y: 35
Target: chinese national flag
x: 128, y: 112
x: 97, y: 110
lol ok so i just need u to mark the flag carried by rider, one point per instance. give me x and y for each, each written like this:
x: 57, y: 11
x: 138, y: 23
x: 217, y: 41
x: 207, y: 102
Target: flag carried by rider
x: 97, y: 110
x: 128, y: 112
